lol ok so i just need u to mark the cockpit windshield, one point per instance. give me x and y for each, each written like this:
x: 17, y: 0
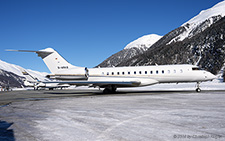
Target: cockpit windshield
x: 196, y: 68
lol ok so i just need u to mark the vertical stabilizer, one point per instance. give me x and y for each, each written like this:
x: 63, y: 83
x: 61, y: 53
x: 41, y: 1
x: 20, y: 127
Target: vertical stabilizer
x: 54, y: 61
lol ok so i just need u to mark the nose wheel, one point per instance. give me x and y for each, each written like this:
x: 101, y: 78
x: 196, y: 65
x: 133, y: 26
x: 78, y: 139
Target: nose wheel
x: 198, y: 87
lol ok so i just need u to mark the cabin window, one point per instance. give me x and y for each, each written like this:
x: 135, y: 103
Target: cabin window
x: 146, y: 72
x: 139, y: 72
x: 134, y: 72
x: 151, y: 72
x: 162, y: 71
x: 107, y: 73
x: 123, y: 73
x: 168, y: 71
x: 157, y: 72
x: 174, y: 71
x: 118, y: 73
x: 128, y: 72
x: 102, y: 73
x: 181, y: 71
x: 112, y: 73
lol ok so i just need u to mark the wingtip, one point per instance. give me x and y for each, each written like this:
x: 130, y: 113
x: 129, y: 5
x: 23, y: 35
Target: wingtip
x: 10, y: 50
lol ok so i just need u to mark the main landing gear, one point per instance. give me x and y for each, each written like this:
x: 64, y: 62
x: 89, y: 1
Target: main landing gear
x: 198, y: 87
x: 109, y: 89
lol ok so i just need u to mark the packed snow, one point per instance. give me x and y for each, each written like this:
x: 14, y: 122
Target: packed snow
x: 144, y: 42
x: 151, y: 115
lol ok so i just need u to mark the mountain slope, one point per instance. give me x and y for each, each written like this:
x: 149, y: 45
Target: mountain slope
x: 144, y: 42
x: 10, y: 79
x: 134, y: 48
x: 10, y: 73
x: 199, y: 41
x: 201, y: 22
x: 206, y: 49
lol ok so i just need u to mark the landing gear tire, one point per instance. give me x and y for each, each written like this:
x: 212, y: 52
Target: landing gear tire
x: 35, y: 88
x: 111, y: 89
x: 106, y: 91
x: 198, y: 90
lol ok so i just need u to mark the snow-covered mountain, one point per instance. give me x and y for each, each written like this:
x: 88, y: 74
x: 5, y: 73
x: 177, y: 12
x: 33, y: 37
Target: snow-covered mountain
x: 216, y: 10
x: 206, y: 48
x: 9, y: 79
x: 199, y: 41
x: 201, y: 22
x: 132, y: 49
x: 12, y: 74
x: 144, y: 42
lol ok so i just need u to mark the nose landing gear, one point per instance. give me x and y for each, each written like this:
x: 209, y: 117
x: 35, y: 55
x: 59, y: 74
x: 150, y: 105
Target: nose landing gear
x: 198, y: 87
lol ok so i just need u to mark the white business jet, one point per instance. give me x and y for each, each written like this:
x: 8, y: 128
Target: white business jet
x: 111, y: 78
x: 31, y: 81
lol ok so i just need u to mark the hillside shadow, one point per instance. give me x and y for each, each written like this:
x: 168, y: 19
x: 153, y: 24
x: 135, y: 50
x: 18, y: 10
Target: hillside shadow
x: 5, y: 133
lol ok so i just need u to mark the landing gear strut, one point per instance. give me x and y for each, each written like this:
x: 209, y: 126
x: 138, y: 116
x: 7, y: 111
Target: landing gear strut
x: 198, y: 87
x: 110, y: 89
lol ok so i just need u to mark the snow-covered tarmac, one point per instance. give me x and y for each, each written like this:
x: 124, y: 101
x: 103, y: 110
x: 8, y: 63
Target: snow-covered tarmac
x: 157, y: 114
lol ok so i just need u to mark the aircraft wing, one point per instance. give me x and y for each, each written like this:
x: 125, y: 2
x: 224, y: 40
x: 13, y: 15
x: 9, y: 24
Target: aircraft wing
x: 120, y: 82
x: 99, y: 83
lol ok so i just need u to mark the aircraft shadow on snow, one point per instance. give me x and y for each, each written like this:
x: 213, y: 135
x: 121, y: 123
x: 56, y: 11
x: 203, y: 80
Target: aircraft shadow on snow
x: 127, y: 92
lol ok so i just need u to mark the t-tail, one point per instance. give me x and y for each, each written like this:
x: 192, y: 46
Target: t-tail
x: 54, y: 61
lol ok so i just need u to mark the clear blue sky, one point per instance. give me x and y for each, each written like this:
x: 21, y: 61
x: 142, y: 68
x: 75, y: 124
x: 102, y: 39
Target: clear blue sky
x: 85, y: 32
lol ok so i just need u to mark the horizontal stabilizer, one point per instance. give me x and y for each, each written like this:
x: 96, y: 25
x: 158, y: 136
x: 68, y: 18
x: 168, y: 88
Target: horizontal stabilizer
x: 41, y: 53
x: 54, y: 61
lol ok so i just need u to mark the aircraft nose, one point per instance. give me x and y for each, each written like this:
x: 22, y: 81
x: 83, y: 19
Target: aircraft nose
x: 210, y: 76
